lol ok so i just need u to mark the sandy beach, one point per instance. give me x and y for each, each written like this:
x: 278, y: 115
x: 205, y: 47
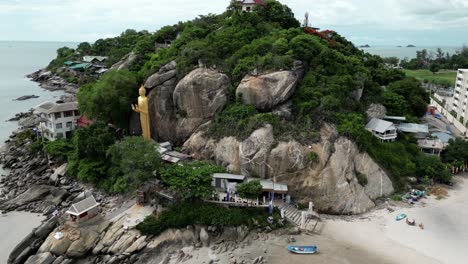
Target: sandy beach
x: 443, y: 240
x: 13, y: 228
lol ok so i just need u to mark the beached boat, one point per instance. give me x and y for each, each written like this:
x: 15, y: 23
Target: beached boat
x: 400, y: 217
x: 410, y: 222
x: 303, y: 249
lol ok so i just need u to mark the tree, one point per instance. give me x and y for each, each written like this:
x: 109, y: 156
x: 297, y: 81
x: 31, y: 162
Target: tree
x: 250, y: 190
x: 110, y: 98
x: 432, y: 168
x: 412, y: 98
x: 192, y: 181
x: 84, y: 48
x: 434, y: 68
x: 88, y: 160
x: 58, y: 149
x: 274, y: 11
x: 457, y: 150
x: 133, y: 161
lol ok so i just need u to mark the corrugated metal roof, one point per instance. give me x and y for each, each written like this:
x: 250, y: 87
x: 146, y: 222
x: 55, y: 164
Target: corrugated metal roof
x: 380, y: 125
x: 92, y: 58
x: 413, y: 128
x: 268, y: 185
x: 50, y: 107
x: 398, y: 118
x: 228, y: 176
x: 80, y: 66
x: 83, y: 206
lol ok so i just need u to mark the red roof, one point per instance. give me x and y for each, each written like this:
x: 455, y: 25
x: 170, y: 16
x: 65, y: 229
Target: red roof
x: 83, y: 121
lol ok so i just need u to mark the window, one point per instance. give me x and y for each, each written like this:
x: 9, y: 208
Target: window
x: 58, y: 126
x: 76, y: 113
x: 59, y: 135
x: 58, y: 115
x: 68, y: 113
x: 69, y: 124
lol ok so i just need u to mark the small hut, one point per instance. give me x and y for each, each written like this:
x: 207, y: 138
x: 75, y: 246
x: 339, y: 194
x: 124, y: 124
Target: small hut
x: 83, y: 210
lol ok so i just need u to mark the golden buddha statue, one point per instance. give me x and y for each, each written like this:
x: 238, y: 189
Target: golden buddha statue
x: 142, y: 108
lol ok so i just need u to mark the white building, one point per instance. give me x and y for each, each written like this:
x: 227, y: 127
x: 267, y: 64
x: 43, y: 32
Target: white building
x: 459, y: 104
x: 58, y: 119
x: 384, y: 130
x: 248, y: 5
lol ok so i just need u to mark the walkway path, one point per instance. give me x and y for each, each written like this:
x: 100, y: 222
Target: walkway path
x: 294, y: 215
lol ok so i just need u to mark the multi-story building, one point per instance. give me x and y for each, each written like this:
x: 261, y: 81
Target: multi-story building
x: 459, y: 104
x: 58, y: 119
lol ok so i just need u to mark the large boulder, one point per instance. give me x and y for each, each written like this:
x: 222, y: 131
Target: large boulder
x: 376, y: 111
x: 85, y: 244
x: 52, y: 195
x: 197, y: 97
x: 43, y: 258
x: 166, y: 73
x: 268, y: 90
x: 178, y: 109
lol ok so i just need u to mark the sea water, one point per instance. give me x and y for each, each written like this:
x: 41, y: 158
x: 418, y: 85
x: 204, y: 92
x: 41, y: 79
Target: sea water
x: 406, y: 52
x: 16, y: 60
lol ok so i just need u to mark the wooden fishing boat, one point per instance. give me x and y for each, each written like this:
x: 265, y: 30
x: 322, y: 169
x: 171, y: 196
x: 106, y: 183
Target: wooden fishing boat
x: 303, y: 249
x: 400, y: 217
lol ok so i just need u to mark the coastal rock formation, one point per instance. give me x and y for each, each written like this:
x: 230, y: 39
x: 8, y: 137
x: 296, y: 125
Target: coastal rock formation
x: 268, y: 90
x: 43, y: 258
x: 332, y: 173
x: 125, y: 62
x: 178, y: 109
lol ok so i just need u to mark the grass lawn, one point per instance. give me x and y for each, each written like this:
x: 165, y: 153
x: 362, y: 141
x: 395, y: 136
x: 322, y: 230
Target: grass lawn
x: 443, y: 77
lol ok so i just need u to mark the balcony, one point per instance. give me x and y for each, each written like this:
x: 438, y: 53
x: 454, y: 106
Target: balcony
x: 389, y: 136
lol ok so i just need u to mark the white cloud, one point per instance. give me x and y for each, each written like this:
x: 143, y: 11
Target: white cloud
x: 92, y: 19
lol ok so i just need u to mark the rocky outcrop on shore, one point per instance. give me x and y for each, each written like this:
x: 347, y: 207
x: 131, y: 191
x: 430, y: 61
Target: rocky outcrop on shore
x: 51, y: 82
x: 332, y: 173
x: 125, y: 62
x: 178, y: 108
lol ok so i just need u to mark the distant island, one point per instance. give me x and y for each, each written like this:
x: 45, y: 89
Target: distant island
x: 411, y: 46
x: 365, y: 46
x: 399, y: 46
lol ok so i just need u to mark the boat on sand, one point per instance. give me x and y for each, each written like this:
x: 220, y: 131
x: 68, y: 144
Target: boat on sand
x: 302, y: 249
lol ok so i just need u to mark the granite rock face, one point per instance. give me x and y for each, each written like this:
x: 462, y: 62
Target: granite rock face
x: 125, y: 62
x: 268, y: 90
x: 376, y: 111
x: 328, y: 172
x: 177, y: 109
x: 161, y: 107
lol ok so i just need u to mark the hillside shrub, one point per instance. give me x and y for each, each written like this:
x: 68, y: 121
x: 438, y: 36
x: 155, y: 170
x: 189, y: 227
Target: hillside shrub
x: 186, y: 214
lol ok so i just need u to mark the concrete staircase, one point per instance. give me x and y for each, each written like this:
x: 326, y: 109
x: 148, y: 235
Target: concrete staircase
x: 293, y: 215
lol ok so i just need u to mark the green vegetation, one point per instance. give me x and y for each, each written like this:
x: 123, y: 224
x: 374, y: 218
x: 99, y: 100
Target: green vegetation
x: 406, y: 98
x: 426, y: 60
x: 88, y: 161
x: 110, y: 98
x: 192, y: 181
x: 456, y: 153
x: 362, y: 179
x: 59, y: 149
x: 441, y: 77
x: 313, y: 157
x: 250, y: 190
x: 133, y: 161
x: 183, y: 215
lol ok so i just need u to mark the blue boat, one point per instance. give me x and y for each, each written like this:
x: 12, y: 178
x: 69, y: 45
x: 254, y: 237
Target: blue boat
x: 303, y: 249
x: 400, y: 217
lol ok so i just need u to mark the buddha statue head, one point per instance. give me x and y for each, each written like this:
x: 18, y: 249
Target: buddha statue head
x: 142, y: 91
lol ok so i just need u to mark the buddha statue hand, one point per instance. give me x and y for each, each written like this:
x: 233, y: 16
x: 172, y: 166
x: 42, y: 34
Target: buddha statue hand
x: 135, y: 108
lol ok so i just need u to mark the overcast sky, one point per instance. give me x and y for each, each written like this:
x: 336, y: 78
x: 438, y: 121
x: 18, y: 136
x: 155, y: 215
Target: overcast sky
x: 374, y: 22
